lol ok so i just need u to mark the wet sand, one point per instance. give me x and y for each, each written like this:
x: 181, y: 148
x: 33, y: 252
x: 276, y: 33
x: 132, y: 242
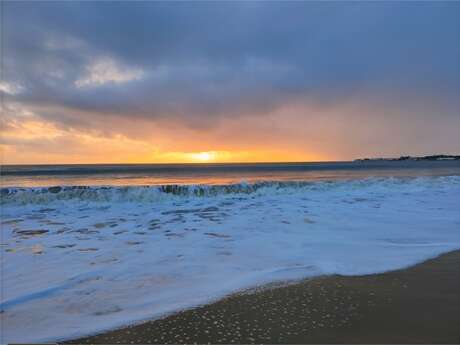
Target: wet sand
x: 420, y: 304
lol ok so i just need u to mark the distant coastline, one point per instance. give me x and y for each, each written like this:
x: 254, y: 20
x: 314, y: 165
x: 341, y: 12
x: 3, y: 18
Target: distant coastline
x: 410, y: 158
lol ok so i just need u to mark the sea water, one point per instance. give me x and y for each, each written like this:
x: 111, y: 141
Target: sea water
x: 88, y: 248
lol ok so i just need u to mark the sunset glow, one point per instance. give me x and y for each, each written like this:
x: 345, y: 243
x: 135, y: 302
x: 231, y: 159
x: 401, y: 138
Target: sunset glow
x: 157, y: 157
x: 178, y: 92
x: 203, y: 156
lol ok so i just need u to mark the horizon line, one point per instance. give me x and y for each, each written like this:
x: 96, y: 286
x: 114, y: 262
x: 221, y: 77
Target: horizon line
x: 222, y: 163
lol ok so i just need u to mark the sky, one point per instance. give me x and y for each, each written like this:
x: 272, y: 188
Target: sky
x: 159, y: 82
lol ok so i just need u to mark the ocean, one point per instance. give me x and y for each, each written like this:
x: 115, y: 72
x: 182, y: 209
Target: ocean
x: 87, y: 248
x: 213, y: 174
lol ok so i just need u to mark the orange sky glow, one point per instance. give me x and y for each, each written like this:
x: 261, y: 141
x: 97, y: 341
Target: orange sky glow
x: 322, y: 82
x: 286, y: 134
x: 64, y: 147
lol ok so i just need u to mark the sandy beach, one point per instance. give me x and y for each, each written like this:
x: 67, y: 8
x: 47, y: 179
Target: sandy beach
x: 420, y: 304
x: 229, y: 172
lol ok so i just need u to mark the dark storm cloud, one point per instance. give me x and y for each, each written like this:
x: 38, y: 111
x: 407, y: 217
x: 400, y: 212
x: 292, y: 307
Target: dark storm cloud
x: 199, y: 62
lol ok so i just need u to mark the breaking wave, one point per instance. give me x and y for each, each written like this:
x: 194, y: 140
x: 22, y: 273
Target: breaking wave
x: 153, y: 193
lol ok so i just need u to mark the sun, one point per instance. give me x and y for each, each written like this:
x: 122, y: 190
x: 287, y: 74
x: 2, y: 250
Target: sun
x: 203, y: 156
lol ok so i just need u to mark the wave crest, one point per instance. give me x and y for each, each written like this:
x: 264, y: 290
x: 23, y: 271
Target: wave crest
x: 157, y: 193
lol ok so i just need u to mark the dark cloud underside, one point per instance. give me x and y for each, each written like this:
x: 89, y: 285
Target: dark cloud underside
x: 200, y: 63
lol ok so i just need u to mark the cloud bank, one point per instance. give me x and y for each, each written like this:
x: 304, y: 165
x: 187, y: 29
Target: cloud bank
x: 321, y: 80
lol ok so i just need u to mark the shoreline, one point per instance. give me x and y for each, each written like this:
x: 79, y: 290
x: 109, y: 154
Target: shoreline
x: 419, y: 304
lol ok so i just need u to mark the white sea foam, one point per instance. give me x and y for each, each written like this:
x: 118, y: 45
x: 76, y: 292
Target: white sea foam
x: 82, y: 260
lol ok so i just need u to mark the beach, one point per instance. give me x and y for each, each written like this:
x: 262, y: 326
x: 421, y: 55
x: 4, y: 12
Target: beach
x: 212, y: 172
x: 420, y: 304
x: 229, y: 172
x: 84, y: 260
